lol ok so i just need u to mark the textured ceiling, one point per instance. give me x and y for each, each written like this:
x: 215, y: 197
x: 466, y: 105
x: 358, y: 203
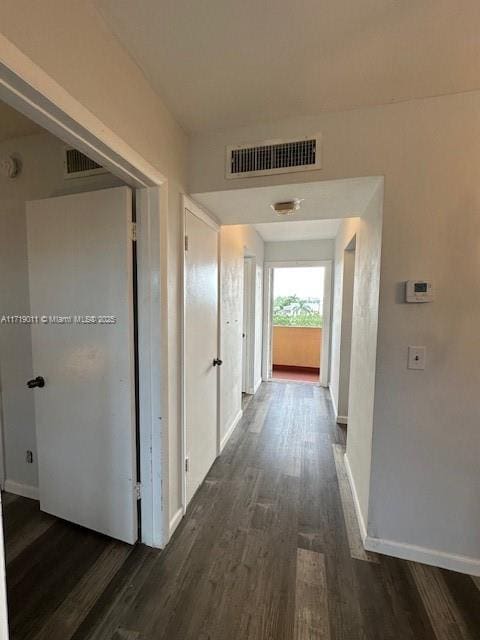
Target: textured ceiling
x: 224, y: 63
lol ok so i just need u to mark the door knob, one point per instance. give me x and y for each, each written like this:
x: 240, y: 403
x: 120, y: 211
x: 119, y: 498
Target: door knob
x: 36, y: 382
x: 217, y: 362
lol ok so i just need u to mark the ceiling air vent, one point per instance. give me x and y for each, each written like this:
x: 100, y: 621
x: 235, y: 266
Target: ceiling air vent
x: 274, y: 156
x: 78, y: 165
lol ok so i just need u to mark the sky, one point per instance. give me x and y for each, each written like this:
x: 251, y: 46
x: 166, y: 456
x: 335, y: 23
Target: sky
x: 306, y: 282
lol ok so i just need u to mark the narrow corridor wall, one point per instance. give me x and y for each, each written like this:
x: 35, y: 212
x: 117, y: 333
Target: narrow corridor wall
x: 236, y: 242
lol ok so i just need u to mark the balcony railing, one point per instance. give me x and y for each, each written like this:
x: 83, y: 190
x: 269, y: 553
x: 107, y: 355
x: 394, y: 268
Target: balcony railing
x: 297, y: 346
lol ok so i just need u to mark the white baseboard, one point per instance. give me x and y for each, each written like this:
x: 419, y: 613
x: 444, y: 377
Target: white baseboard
x: 230, y: 430
x: 333, y: 401
x: 175, y: 521
x: 356, y: 502
x: 19, y: 489
x: 462, y: 564
x: 338, y: 419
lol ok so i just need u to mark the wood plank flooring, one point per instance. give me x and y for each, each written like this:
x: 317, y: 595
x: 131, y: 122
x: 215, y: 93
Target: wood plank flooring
x: 269, y: 550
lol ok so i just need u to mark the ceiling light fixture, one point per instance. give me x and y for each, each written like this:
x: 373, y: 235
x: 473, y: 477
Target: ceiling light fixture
x: 286, y: 208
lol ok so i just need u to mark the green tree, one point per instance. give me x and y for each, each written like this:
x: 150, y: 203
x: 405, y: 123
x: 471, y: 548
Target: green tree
x: 292, y: 311
x: 281, y: 302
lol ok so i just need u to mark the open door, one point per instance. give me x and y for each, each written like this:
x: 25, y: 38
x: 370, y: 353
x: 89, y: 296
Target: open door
x: 81, y: 289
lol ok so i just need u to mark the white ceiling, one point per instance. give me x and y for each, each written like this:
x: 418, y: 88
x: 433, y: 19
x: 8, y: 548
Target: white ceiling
x: 293, y: 230
x: 320, y: 201
x: 14, y: 125
x: 224, y: 63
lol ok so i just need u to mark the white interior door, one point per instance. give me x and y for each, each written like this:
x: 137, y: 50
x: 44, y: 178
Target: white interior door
x: 201, y: 345
x: 80, y: 264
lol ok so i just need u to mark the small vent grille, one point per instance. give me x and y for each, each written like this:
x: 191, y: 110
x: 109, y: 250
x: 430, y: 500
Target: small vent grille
x: 273, y: 157
x: 77, y: 164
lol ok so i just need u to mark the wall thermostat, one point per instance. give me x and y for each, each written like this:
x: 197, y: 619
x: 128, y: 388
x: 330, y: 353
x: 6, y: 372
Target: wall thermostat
x: 418, y: 291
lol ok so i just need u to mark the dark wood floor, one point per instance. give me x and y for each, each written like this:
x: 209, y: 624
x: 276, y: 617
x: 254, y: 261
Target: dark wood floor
x: 269, y: 550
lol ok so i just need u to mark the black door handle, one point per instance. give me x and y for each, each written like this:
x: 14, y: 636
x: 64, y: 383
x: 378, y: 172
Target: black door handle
x: 36, y: 382
x: 217, y: 362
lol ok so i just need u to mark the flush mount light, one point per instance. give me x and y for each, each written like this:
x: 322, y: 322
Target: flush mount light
x: 286, y: 208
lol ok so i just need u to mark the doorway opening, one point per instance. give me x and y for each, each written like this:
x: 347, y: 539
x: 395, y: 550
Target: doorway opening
x: 68, y: 333
x: 297, y: 321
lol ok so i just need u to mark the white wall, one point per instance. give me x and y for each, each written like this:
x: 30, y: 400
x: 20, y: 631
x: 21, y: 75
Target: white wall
x: 299, y: 250
x: 104, y: 78
x: 41, y: 176
x: 15, y: 340
x: 364, y: 329
x: 236, y: 242
x: 426, y: 442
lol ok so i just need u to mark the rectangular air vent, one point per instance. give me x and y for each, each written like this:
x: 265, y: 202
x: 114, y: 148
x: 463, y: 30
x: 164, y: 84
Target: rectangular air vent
x: 274, y: 156
x: 78, y: 165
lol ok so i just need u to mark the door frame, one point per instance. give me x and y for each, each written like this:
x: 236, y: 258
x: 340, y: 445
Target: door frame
x: 28, y: 89
x: 269, y: 268
x: 188, y: 204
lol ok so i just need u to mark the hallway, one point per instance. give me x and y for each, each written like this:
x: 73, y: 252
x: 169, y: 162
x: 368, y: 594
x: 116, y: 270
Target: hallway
x: 269, y: 550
